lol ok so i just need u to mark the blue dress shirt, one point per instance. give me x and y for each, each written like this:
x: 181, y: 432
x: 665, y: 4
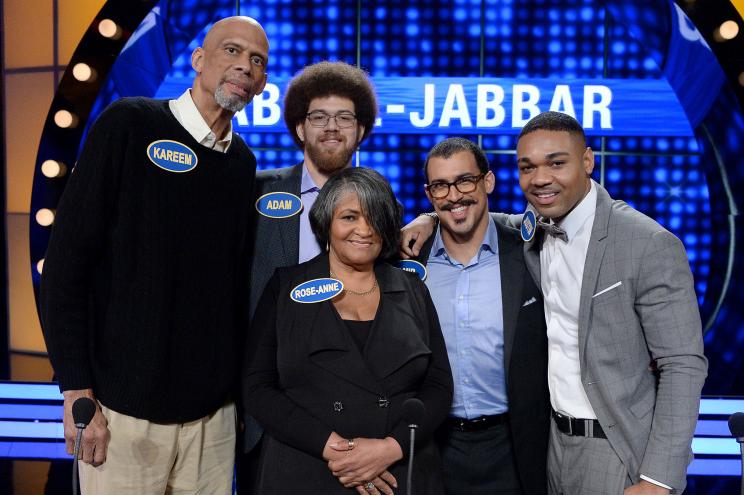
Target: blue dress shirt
x: 309, y: 247
x: 468, y: 301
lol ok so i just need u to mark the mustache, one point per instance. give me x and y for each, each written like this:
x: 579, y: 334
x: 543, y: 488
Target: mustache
x: 463, y: 202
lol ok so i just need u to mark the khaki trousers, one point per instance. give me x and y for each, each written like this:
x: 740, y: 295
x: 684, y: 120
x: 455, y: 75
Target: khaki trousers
x: 147, y: 458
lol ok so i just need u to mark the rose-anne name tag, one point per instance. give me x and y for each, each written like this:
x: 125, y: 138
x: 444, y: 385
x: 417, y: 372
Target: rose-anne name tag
x: 413, y: 267
x: 529, y: 225
x: 278, y: 205
x: 316, y: 290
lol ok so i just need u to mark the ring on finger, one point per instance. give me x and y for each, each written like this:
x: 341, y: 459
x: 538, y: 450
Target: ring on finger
x: 350, y: 445
x: 369, y: 486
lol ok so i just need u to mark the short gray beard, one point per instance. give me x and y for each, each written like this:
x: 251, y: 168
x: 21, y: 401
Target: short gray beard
x: 231, y: 103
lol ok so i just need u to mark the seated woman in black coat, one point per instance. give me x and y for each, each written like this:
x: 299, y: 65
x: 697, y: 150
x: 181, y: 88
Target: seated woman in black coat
x: 327, y: 379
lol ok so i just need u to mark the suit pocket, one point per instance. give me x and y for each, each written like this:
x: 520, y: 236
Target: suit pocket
x: 641, y: 408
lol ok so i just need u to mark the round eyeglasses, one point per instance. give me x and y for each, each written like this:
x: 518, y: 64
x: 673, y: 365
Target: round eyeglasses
x: 320, y: 119
x: 465, y: 185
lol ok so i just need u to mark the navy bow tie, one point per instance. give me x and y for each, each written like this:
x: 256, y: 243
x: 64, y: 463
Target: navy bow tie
x: 552, y: 229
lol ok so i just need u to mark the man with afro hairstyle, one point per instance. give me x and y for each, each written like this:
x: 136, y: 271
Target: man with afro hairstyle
x: 329, y: 109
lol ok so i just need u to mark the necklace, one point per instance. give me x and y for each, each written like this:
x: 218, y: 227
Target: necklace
x: 358, y: 293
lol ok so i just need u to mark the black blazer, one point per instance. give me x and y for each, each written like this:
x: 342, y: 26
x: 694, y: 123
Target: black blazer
x: 525, y: 359
x: 276, y: 241
x: 306, y: 378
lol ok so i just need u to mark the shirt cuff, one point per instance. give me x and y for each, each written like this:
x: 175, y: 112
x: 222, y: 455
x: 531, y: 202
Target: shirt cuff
x: 644, y: 477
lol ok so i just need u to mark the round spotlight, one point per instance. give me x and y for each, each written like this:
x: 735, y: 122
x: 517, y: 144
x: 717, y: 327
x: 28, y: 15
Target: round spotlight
x: 728, y: 30
x: 109, y: 29
x: 53, y: 168
x: 45, y: 217
x: 40, y: 266
x: 83, y: 72
x: 65, y: 119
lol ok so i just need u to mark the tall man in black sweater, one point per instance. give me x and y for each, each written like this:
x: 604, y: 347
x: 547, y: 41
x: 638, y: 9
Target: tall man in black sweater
x: 143, y: 296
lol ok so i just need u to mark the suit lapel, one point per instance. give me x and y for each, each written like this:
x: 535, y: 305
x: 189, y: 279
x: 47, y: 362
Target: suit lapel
x: 330, y: 346
x: 289, y: 228
x: 531, y: 251
x: 396, y: 332
x: 594, y: 254
x: 511, y: 262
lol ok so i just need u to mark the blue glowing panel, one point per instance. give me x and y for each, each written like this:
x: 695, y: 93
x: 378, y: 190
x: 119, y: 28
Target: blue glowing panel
x: 673, y: 191
x: 32, y: 429
x: 34, y: 450
x: 29, y: 391
x: 712, y: 428
x: 546, y: 39
x: 715, y: 467
x: 26, y: 411
x: 717, y: 446
x: 721, y: 406
x: 421, y: 38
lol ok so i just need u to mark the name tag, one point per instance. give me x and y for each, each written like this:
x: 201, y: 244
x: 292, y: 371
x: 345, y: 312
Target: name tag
x: 172, y: 156
x: 278, y: 205
x: 316, y: 290
x: 413, y: 267
x: 529, y: 226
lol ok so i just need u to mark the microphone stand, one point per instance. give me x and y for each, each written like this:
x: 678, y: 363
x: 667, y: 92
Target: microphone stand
x: 409, y: 476
x: 80, y: 427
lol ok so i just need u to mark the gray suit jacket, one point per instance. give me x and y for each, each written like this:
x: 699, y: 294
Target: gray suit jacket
x: 276, y: 241
x: 649, y: 417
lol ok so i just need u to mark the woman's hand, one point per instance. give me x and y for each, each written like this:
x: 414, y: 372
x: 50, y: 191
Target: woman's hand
x: 366, y: 461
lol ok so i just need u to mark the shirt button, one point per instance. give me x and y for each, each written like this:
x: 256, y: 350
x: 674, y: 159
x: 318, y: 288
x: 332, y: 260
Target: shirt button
x: 461, y: 297
x: 466, y: 380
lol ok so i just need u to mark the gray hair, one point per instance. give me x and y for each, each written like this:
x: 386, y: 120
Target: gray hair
x: 379, y: 206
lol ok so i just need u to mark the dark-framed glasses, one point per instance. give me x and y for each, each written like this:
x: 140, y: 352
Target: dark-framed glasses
x: 319, y: 118
x: 465, y: 185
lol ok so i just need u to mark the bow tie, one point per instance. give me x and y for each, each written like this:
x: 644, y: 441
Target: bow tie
x: 552, y: 229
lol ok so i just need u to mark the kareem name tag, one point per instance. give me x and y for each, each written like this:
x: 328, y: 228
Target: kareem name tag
x: 316, y: 290
x: 172, y: 156
x: 279, y: 205
x: 413, y: 267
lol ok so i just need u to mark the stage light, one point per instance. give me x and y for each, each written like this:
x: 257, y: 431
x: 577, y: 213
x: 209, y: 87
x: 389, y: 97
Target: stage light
x: 65, y: 119
x: 40, y: 266
x: 741, y: 78
x: 728, y: 30
x: 84, y: 72
x: 109, y: 29
x: 53, y: 168
x: 45, y: 217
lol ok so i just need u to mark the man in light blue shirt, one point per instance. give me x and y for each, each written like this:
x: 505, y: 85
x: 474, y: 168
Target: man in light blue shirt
x: 491, y: 315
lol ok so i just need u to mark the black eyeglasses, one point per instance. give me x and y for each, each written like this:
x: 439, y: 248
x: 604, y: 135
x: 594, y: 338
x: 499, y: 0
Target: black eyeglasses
x: 320, y: 119
x: 465, y: 185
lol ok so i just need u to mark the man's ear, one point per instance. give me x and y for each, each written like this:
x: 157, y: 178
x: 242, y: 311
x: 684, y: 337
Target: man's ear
x: 197, y: 59
x: 300, y: 131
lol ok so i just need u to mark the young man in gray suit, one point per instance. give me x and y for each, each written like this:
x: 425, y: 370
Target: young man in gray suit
x: 329, y: 109
x: 626, y: 363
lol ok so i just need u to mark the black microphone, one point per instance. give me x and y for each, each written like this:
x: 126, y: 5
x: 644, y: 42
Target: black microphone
x: 736, y: 427
x: 83, y: 410
x: 414, y: 412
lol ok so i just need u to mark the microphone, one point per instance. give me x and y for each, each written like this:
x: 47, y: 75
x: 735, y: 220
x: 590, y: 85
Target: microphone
x: 736, y: 427
x: 83, y: 410
x: 414, y: 412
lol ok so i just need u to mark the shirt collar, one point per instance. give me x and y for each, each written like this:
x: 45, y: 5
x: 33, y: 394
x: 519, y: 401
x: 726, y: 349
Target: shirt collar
x: 307, y: 184
x: 195, y: 124
x: 490, y: 243
x: 572, y: 222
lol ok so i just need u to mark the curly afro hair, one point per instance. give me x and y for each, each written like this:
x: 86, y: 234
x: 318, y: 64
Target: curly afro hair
x: 330, y: 79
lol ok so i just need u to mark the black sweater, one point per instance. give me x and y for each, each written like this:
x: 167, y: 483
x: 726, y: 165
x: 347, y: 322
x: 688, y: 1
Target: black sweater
x: 145, y: 283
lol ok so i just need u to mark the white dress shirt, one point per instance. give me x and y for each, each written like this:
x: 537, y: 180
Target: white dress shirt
x: 561, y: 272
x: 186, y: 113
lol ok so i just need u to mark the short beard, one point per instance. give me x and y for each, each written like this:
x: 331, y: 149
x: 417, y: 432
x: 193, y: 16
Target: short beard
x: 231, y: 103
x: 329, y: 163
